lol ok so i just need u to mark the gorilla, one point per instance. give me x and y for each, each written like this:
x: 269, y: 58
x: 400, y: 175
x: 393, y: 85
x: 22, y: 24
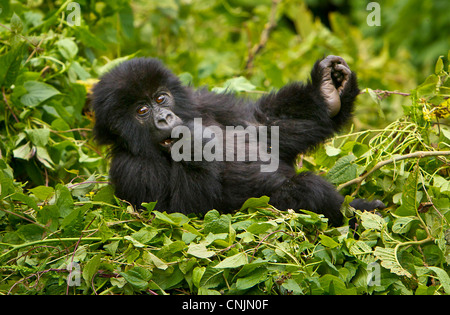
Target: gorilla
x: 194, y: 150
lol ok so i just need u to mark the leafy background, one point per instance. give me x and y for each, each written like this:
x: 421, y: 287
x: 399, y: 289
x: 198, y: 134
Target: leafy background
x: 60, y: 221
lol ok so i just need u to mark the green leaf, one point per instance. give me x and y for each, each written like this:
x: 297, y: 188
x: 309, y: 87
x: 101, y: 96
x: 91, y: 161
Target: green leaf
x: 409, y: 197
x: 442, y: 183
x: 239, y: 84
x: 360, y: 248
x: 176, y: 219
x: 72, y: 218
x: 204, y: 291
x: 42, y: 192
x: 344, y: 170
x: 328, y: 241
x: 105, y: 194
x: 43, y: 156
x: 111, y: 248
x: 200, y: 251
x: 126, y: 19
x: 428, y: 87
x: 210, y: 238
x: 38, y: 92
x: 30, y: 202
x: 91, y: 268
x: 10, y: 65
x: 24, y: 152
x: 30, y: 232
x: 186, y: 78
x: 83, y: 34
x: 249, y: 281
x: 256, y: 203
x: 234, y: 261
x: 372, y: 221
x: 439, y: 65
x: 346, y: 209
x: 84, y: 188
x: 402, y: 224
x: 80, y: 71
x: 16, y: 24
x: 118, y: 282
x: 164, y: 217
x: 145, y: 235
x: 446, y: 131
x: 67, y: 48
x: 292, y: 286
x: 389, y: 261
x: 64, y: 200
x: 311, y: 218
x: 49, y: 216
x: 138, y: 277
x: 157, y: 261
x: 135, y: 242
x: 443, y: 278
x: 335, y: 286
x: 332, y: 151
x: 211, y: 278
x: 216, y: 223
x: 374, y: 96
x: 186, y: 265
x: 165, y: 279
x: 260, y: 227
x: 38, y: 137
x: 149, y: 206
x: 197, y: 275
x: 103, y: 230
x: 114, y: 63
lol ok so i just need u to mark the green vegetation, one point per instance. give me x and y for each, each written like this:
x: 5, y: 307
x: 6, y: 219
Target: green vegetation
x: 57, y: 209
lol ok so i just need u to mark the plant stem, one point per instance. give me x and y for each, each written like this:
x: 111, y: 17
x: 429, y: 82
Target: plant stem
x: 271, y: 24
x: 418, y: 154
x: 55, y: 240
x: 382, y: 93
x: 426, y: 240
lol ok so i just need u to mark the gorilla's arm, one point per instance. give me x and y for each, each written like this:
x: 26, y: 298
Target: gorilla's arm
x: 307, y: 114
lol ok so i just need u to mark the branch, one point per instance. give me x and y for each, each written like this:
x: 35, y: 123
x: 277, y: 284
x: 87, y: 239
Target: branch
x: 383, y: 94
x: 264, y: 35
x: 266, y: 237
x: 54, y: 240
x: 418, y: 154
x: 73, y: 256
x: 7, y: 104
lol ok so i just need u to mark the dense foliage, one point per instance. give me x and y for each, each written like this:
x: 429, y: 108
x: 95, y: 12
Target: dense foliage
x: 62, y: 230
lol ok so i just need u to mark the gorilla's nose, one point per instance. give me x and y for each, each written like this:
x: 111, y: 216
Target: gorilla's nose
x: 166, y: 120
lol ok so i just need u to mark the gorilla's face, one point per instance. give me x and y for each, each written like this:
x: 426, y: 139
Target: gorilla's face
x: 136, y: 106
x: 158, y: 116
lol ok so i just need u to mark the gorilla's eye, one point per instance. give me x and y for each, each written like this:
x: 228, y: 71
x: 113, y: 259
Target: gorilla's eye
x: 161, y: 99
x: 143, y: 109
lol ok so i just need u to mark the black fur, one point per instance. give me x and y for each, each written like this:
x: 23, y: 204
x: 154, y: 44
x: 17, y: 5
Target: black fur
x: 142, y: 171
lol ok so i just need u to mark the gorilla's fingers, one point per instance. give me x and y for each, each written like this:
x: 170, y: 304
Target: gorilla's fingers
x: 342, y: 77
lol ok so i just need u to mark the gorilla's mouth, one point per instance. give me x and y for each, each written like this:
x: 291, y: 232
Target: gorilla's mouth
x: 166, y: 143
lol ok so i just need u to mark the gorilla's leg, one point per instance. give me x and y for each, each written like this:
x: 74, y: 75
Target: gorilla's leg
x: 306, y: 191
x: 362, y: 204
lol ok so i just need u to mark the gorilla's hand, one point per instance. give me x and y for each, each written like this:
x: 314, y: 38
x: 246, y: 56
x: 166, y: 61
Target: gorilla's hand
x: 335, y: 75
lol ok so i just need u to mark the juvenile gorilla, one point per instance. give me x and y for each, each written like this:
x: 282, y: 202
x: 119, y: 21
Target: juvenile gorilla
x: 139, y: 103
